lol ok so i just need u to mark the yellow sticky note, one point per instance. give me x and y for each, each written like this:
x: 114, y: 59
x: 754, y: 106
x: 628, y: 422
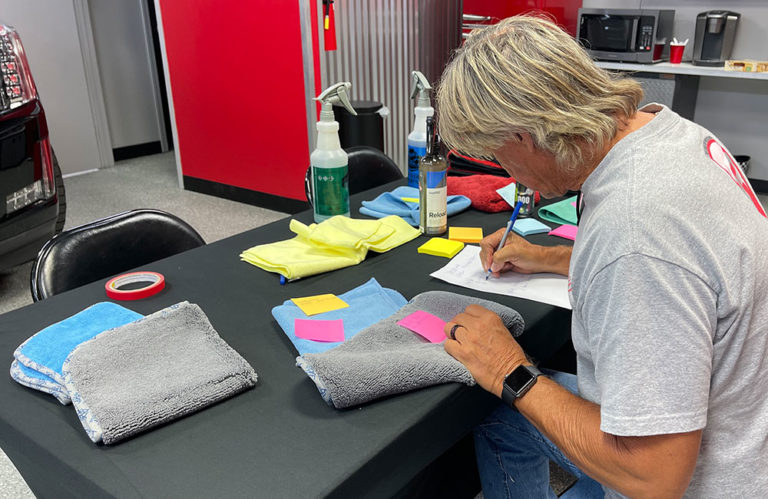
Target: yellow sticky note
x: 466, y: 234
x: 312, y: 305
x: 441, y: 247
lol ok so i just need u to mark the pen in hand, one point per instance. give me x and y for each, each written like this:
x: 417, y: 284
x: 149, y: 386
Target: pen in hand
x: 510, y: 224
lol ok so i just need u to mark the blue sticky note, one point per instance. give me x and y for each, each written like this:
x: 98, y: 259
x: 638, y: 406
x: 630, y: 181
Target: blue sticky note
x: 528, y: 226
x: 509, y: 193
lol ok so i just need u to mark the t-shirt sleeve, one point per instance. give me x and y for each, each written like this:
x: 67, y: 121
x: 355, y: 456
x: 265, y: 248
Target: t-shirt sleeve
x: 651, y: 326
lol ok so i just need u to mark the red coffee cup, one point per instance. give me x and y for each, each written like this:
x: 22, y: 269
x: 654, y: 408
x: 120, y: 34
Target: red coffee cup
x: 676, y: 53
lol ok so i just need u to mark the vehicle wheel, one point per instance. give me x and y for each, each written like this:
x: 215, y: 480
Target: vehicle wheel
x: 62, y: 197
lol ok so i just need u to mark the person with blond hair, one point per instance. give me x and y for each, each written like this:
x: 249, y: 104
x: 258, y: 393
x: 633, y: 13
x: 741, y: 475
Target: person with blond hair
x: 668, y: 281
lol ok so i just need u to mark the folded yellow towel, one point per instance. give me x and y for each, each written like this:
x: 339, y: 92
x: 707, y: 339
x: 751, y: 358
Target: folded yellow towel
x: 332, y: 244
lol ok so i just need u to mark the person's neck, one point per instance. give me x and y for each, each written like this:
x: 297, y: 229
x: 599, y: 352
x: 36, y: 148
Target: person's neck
x: 626, y: 127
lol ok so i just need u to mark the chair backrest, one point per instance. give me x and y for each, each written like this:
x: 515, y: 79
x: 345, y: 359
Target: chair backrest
x: 107, y: 247
x: 368, y: 167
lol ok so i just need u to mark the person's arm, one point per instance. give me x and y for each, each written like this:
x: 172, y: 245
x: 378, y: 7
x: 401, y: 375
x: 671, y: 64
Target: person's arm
x: 648, y: 466
x: 519, y: 255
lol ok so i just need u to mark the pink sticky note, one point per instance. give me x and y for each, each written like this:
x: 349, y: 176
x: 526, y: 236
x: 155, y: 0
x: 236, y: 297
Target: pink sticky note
x: 565, y: 231
x: 427, y: 325
x: 319, y: 330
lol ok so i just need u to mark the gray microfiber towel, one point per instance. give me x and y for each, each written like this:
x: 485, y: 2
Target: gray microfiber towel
x: 152, y: 371
x: 385, y: 358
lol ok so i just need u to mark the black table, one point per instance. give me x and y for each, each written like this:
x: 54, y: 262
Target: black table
x: 279, y: 439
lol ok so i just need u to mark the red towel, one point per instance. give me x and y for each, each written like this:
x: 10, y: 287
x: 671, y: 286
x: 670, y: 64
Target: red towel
x: 481, y: 189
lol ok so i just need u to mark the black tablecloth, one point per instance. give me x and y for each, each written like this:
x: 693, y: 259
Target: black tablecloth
x: 279, y: 439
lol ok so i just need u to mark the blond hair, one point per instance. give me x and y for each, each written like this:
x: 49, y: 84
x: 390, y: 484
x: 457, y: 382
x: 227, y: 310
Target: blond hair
x: 525, y: 74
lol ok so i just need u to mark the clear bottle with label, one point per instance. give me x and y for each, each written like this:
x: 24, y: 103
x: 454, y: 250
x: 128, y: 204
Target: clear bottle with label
x: 527, y: 196
x: 433, y: 190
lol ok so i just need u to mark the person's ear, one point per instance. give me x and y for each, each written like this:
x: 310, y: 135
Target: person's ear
x: 527, y: 141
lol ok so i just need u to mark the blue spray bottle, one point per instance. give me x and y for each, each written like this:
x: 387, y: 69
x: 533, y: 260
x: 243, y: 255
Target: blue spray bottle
x: 417, y: 139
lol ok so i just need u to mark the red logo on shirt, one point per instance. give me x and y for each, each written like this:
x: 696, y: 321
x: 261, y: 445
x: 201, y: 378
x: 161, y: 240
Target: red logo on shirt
x: 725, y: 161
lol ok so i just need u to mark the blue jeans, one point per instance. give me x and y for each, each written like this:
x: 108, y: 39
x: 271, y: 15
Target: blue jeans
x: 513, y: 456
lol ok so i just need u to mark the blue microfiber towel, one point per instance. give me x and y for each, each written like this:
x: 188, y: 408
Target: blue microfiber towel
x: 368, y: 304
x: 149, y: 372
x: 33, y: 379
x: 392, y: 203
x: 46, y: 351
x: 387, y: 358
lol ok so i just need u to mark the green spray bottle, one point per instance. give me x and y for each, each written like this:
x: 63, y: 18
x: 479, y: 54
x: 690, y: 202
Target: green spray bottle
x: 330, y: 173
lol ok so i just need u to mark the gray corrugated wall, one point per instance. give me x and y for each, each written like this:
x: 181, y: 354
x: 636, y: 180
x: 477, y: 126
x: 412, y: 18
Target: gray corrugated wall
x: 379, y: 43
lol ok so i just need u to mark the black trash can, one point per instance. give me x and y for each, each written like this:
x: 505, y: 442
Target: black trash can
x: 365, y: 129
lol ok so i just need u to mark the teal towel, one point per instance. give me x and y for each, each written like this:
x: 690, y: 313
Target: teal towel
x: 563, y: 212
x: 368, y: 304
x: 391, y: 203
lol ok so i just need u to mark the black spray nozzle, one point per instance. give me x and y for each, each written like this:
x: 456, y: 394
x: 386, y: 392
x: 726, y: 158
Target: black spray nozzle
x: 433, y: 139
x: 430, y: 134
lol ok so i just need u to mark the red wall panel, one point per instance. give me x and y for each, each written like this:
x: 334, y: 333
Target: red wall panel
x: 237, y: 84
x: 564, y: 11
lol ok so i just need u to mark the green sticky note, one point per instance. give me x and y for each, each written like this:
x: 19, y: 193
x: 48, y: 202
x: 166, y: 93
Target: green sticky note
x: 563, y: 212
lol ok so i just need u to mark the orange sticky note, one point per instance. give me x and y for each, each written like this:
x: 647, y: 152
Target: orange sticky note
x: 465, y: 234
x: 312, y: 305
x: 319, y: 330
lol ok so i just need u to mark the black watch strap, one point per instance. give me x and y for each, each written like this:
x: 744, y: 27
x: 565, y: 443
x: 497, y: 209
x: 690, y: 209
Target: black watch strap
x: 518, y: 382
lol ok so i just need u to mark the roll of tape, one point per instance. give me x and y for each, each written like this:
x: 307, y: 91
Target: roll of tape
x: 157, y: 283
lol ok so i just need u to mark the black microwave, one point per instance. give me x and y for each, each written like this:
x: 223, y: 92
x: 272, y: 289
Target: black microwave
x: 626, y: 35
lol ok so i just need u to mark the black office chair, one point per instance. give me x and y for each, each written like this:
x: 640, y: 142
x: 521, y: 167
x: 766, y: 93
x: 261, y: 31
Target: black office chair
x: 107, y: 247
x: 368, y: 167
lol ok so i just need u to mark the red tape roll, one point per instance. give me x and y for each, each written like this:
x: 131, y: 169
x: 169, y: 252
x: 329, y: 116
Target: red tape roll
x: 113, y: 285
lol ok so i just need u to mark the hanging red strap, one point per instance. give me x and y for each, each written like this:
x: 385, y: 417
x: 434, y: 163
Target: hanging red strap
x: 329, y: 26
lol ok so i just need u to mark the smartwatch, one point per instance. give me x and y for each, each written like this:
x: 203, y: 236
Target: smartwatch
x: 518, y: 382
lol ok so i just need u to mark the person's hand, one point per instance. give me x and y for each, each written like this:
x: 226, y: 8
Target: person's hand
x: 519, y: 255
x: 484, y: 346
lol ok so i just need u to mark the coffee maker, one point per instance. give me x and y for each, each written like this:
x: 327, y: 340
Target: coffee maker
x: 715, y: 31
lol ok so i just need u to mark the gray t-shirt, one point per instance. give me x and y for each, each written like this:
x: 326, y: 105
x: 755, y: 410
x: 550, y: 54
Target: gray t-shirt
x: 669, y: 288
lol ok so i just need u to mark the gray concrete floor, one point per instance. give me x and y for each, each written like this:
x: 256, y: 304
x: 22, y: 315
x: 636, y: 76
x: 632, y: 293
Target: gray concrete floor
x: 146, y: 182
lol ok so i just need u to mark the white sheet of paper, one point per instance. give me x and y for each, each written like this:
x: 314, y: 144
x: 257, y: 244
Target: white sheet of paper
x: 465, y: 270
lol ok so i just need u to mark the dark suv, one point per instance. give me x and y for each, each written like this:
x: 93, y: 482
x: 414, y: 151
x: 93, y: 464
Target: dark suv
x: 32, y: 203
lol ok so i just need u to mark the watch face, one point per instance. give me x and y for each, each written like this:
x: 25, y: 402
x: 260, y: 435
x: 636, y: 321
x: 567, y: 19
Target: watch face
x: 518, y: 378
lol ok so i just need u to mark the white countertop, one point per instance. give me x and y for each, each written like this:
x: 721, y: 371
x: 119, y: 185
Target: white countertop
x: 682, y: 68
